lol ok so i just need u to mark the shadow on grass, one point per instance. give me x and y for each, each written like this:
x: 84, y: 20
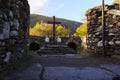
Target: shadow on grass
x: 82, y: 51
x: 31, y: 53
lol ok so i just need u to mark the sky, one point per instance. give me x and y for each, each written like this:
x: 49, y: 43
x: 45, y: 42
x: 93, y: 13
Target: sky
x: 68, y: 9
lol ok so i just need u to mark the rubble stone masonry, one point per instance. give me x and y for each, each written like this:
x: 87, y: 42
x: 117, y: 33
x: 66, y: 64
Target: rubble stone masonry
x: 14, y: 24
x: 112, y: 30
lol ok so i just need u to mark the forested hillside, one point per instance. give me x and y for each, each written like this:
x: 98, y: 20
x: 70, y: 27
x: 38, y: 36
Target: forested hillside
x: 72, y: 25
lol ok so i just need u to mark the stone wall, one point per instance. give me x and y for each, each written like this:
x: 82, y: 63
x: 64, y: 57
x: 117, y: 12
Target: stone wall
x: 14, y: 23
x: 65, y: 40
x: 41, y: 40
x: 112, y: 30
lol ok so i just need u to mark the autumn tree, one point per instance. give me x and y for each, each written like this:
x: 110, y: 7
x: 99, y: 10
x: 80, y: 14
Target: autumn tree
x: 116, y: 2
x: 41, y: 29
x: 81, y: 31
x: 62, y: 31
x: 45, y: 29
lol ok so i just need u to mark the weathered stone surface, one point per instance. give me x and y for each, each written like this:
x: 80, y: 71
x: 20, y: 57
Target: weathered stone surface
x: 112, y: 28
x: 113, y: 68
x: 67, y: 67
x: 94, y: 73
x: 60, y: 73
x: 14, y: 24
x: 73, y: 73
x: 31, y: 73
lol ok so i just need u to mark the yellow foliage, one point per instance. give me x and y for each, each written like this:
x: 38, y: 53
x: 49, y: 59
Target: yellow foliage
x: 62, y: 31
x: 81, y: 31
x: 41, y: 29
x: 116, y: 2
x: 46, y: 30
x: 59, y: 28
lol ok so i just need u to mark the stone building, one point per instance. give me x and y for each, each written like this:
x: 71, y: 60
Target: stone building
x: 14, y: 24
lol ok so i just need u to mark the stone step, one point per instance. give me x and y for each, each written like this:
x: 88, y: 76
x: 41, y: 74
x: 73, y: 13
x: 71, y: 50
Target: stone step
x: 56, y: 50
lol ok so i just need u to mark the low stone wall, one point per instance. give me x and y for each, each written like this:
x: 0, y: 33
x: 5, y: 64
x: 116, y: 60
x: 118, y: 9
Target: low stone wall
x: 65, y: 40
x: 14, y: 24
x: 41, y: 40
x: 112, y: 30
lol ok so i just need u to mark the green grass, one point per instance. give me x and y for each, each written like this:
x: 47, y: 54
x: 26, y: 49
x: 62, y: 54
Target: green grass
x: 81, y: 52
x: 31, y: 53
x: 2, y: 74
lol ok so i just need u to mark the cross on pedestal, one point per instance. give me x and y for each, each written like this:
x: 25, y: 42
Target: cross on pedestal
x: 53, y: 22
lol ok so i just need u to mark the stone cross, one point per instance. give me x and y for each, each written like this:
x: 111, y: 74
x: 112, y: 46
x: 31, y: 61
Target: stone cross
x: 53, y: 22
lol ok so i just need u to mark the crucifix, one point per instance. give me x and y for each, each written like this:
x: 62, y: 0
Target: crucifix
x: 53, y: 22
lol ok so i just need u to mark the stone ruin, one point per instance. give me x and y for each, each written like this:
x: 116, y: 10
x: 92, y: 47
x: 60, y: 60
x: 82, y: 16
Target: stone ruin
x: 14, y: 26
x: 112, y: 30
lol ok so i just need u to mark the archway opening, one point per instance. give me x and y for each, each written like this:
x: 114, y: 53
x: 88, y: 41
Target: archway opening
x: 72, y: 45
x: 34, y: 46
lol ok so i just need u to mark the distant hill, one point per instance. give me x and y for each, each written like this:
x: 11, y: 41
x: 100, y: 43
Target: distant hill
x: 69, y: 24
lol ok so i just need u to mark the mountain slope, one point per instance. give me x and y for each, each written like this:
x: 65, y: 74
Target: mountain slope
x: 69, y: 24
